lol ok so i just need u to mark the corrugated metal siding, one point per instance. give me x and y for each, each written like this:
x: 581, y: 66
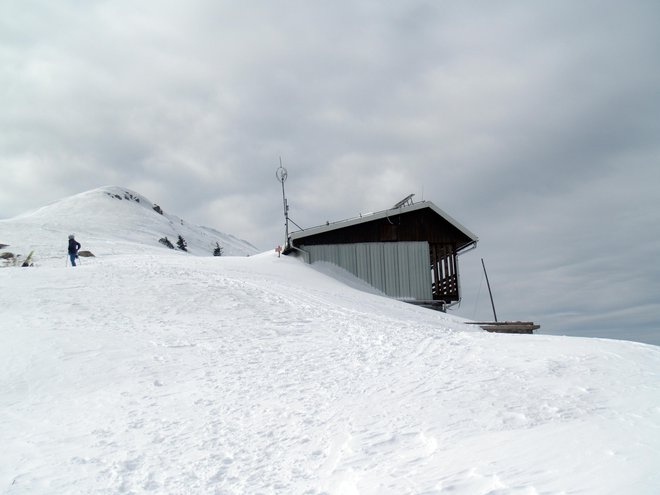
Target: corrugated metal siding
x: 399, y: 269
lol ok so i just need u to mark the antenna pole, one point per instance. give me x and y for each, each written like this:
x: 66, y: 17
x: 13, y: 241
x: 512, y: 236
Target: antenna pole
x: 489, y: 291
x: 281, y: 175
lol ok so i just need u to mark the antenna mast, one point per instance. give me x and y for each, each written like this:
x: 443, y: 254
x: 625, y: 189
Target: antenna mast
x: 281, y: 175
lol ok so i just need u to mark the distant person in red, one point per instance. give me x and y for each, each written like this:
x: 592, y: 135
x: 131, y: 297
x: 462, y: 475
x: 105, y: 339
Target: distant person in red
x: 74, y: 246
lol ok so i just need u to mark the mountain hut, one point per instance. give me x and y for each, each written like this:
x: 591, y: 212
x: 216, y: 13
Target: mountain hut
x: 409, y: 252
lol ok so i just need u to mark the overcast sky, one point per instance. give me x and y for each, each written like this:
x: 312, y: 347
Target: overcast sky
x: 534, y: 124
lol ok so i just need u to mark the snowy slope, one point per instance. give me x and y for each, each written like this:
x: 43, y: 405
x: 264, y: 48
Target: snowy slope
x: 109, y: 220
x: 151, y: 371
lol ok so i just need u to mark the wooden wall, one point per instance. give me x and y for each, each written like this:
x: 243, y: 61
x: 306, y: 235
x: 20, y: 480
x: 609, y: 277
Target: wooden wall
x: 419, y: 225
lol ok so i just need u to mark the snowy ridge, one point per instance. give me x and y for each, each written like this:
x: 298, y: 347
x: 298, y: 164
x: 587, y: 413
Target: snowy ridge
x: 154, y: 373
x: 110, y: 220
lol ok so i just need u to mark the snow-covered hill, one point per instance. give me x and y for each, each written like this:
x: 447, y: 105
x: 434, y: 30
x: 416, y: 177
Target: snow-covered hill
x: 151, y: 371
x: 110, y: 220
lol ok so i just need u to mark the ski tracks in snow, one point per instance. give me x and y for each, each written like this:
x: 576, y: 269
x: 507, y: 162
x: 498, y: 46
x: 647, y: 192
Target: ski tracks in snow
x: 211, y: 380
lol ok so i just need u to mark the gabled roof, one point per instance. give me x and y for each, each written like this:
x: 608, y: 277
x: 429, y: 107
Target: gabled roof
x: 370, y: 217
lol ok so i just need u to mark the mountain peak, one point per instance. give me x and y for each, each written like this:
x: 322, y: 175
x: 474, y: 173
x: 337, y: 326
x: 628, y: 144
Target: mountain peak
x: 112, y: 220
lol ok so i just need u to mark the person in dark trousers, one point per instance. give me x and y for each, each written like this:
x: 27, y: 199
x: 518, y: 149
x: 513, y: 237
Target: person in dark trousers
x: 74, y: 246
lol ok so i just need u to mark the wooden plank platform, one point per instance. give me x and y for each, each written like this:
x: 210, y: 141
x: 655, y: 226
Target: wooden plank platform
x: 507, y: 326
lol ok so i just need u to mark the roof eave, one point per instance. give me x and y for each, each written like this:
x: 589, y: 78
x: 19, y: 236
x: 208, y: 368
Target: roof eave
x: 301, y: 234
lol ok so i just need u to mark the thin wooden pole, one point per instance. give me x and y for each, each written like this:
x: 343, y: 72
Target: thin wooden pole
x: 489, y: 291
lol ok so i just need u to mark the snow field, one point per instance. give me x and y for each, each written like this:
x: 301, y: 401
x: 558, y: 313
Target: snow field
x: 172, y: 374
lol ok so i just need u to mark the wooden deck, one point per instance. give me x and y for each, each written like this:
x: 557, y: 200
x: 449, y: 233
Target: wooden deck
x: 507, y: 326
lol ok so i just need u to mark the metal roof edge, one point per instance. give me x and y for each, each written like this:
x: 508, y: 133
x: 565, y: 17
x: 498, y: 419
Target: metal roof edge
x: 370, y: 217
x: 453, y: 221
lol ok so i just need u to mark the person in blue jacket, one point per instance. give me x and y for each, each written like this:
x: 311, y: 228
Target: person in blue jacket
x: 74, y: 246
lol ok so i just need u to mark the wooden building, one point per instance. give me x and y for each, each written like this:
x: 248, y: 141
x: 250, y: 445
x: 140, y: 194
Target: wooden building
x: 409, y: 252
